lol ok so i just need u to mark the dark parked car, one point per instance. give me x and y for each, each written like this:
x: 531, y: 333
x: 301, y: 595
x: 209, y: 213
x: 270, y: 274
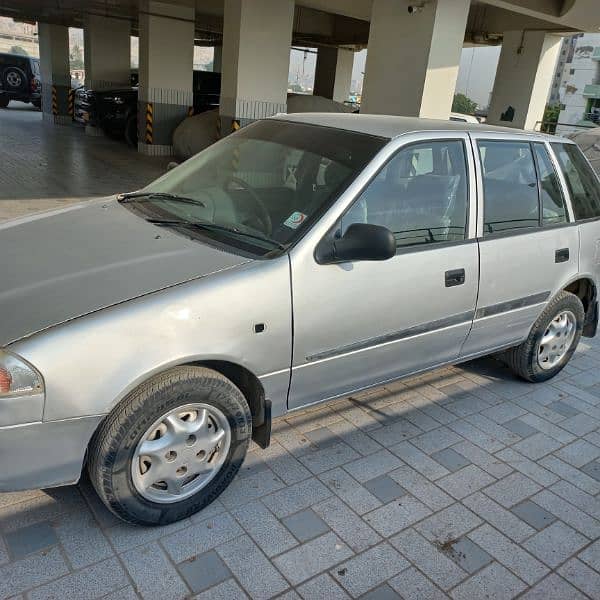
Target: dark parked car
x: 115, y: 110
x: 19, y: 79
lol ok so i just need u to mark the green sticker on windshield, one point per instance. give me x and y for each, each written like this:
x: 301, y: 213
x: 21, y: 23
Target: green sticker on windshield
x: 295, y: 220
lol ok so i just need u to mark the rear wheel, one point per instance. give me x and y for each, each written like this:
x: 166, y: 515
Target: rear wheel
x: 171, y: 447
x: 551, y: 341
x: 14, y: 79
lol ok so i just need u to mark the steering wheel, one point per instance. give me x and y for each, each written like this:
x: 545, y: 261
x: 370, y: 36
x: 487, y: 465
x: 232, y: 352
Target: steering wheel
x: 263, y: 217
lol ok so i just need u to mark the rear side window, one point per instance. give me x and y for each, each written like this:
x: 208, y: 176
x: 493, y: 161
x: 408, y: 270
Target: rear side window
x: 510, y: 190
x: 553, y: 202
x: 581, y: 181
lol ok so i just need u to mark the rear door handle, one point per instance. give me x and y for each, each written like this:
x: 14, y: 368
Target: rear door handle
x: 454, y: 277
x: 561, y: 255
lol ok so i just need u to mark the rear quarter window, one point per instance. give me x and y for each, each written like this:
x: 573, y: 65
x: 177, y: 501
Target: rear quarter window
x: 582, y: 182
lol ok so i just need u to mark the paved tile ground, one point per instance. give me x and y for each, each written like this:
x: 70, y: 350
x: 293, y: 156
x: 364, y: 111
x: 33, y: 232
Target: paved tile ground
x: 464, y: 483
x: 44, y: 166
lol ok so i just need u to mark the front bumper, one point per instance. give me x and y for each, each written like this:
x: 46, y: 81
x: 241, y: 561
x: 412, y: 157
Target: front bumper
x: 39, y: 455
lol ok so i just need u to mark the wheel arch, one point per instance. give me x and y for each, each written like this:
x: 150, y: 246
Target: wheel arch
x: 584, y: 287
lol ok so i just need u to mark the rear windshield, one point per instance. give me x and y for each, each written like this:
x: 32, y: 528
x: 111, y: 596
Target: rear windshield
x: 581, y: 180
x: 270, y: 180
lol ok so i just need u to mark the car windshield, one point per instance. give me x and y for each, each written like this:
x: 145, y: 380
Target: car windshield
x: 260, y: 189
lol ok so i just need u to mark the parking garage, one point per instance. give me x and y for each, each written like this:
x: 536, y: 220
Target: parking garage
x: 464, y: 482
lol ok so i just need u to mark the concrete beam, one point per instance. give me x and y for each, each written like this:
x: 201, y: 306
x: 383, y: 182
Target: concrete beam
x: 55, y: 72
x: 413, y: 59
x: 523, y: 78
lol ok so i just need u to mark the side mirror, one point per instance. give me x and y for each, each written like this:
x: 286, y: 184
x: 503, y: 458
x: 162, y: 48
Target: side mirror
x: 360, y: 242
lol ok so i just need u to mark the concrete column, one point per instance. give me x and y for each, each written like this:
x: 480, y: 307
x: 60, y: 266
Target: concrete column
x: 413, y: 59
x: 218, y: 59
x: 166, y: 72
x: 107, y: 52
x: 257, y: 35
x: 523, y: 78
x: 333, y: 73
x: 55, y: 72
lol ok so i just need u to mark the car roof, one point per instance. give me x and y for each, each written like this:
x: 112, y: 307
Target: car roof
x: 389, y: 126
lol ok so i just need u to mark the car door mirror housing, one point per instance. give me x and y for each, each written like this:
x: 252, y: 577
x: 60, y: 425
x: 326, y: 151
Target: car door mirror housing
x: 361, y: 241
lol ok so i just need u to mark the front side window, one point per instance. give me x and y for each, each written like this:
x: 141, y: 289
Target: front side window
x: 582, y: 182
x: 510, y: 189
x: 258, y: 190
x: 420, y: 195
x: 553, y: 203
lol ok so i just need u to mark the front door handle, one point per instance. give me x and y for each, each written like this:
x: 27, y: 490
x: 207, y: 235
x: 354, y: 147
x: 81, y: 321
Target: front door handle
x: 561, y: 255
x: 454, y: 277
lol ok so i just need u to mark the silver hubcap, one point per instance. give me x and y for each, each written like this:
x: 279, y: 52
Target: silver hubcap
x: 180, y: 453
x: 557, y: 339
x: 13, y: 79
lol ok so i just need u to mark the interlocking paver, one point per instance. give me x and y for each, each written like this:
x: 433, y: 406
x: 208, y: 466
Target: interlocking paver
x: 397, y: 515
x: 571, y: 474
x: 553, y: 588
x: 568, y: 513
x: 228, y: 590
x: 449, y: 524
x: 537, y: 445
x: 421, y: 488
x: 30, y: 539
x: 451, y: 459
x: 371, y: 466
x: 533, y: 514
x: 296, y: 497
x: 305, y: 525
x: 436, y: 440
x: 322, y: 587
x: 204, y: 571
x: 153, y: 574
x: 349, y: 490
x: 252, y: 569
x: 316, y: 556
x: 413, y: 585
x: 494, y: 581
x: 94, y: 581
x: 420, y: 461
x: 429, y: 558
x: 512, y: 489
x: 464, y: 482
x: 503, y: 520
x: 528, y: 467
x: 591, y: 555
x: 347, y: 524
x: 582, y: 577
x: 555, y: 544
x: 519, y: 427
x: 384, y: 488
x: 481, y: 458
x: 509, y: 554
x: 369, y: 569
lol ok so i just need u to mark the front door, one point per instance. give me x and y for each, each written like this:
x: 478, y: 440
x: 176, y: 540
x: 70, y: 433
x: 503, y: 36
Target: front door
x: 357, y: 324
x: 528, y: 245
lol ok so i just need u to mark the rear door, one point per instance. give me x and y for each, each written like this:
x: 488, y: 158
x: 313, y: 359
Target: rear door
x: 528, y: 242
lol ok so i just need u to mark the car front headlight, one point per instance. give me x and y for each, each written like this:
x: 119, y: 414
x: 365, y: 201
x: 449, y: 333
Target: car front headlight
x: 18, y: 377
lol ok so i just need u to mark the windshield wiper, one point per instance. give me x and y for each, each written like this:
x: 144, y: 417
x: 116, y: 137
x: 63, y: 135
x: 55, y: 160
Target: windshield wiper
x: 215, y: 227
x: 127, y: 197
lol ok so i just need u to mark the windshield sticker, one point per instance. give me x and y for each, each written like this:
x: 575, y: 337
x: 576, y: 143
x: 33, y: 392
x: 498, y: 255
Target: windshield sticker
x: 295, y: 220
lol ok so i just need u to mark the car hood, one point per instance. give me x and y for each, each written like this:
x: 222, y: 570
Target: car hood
x: 60, y: 265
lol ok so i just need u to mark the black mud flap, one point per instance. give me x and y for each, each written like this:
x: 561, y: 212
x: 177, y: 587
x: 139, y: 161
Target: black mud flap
x: 262, y: 434
x: 591, y: 321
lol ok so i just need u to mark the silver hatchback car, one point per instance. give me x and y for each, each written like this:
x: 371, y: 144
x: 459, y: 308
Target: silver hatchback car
x: 148, y: 338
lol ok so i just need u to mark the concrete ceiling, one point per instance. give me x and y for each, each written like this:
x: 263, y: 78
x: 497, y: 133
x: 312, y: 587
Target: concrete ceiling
x: 335, y: 22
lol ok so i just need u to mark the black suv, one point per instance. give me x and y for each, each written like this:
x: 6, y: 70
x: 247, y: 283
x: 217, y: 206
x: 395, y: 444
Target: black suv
x: 19, y: 79
x: 115, y: 110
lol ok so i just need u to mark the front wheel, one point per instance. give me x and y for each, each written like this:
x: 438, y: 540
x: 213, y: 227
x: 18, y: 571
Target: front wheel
x: 551, y: 341
x: 171, y: 447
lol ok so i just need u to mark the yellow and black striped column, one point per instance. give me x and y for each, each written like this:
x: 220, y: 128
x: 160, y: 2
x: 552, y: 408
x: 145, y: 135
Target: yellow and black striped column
x: 71, y: 102
x: 149, y: 131
x: 54, y: 101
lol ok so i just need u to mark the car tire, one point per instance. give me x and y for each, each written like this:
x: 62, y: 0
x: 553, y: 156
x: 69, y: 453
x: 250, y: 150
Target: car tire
x: 4, y: 100
x: 121, y: 471
x: 14, y: 79
x: 551, y: 342
x: 131, y: 131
